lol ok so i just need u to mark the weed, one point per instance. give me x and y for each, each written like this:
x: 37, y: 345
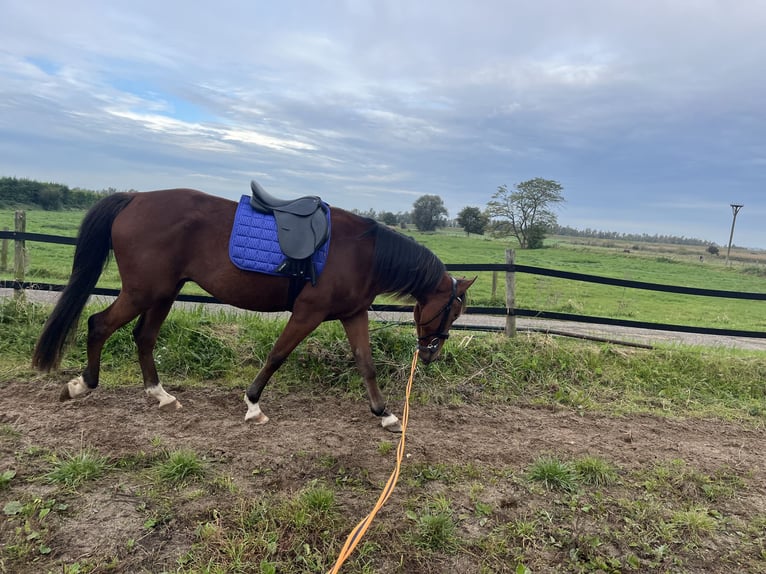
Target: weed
x: 6, y: 477
x: 30, y: 533
x: 524, y: 530
x: 74, y: 469
x: 693, y: 522
x: 677, y: 478
x: 318, y: 500
x: 435, y: 527
x: 180, y: 467
x: 226, y: 483
x: 595, y: 471
x: 553, y: 474
x: 8, y: 432
x: 421, y: 473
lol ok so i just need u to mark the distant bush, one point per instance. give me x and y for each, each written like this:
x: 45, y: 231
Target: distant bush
x: 48, y: 196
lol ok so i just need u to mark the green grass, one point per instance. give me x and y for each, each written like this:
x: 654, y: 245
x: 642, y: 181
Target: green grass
x: 74, y: 469
x: 434, y: 528
x: 180, y: 467
x: 596, y: 471
x: 554, y: 474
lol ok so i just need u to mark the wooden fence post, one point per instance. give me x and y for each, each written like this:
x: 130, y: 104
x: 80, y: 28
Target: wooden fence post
x: 510, y: 294
x: 4, y: 253
x: 19, y: 255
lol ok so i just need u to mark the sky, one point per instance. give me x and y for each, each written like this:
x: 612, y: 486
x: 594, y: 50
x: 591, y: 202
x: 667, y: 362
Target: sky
x: 650, y: 114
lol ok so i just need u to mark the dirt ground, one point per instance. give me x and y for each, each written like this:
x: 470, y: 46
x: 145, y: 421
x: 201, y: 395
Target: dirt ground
x: 123, y: 423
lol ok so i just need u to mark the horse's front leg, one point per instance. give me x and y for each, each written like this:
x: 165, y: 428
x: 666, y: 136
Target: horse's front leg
x: 357, y: 330
x: 298, y: 327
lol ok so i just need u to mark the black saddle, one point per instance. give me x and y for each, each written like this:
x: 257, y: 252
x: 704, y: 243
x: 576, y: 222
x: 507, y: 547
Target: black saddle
x: 302, y: 228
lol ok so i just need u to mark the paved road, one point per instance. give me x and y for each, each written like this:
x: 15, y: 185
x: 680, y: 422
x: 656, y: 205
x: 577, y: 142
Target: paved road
x: 625, y: 334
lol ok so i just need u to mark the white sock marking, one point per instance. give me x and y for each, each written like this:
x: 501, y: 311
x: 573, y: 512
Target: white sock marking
x: 254, y: 412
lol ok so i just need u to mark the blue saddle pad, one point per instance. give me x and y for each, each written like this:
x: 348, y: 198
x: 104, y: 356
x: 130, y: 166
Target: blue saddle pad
x: 254, y: 245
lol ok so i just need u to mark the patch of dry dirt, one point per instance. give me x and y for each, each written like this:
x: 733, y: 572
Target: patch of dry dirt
x: 282, y: 454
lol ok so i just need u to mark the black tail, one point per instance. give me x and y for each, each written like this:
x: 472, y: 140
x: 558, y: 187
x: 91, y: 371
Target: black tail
x: 90, y: 257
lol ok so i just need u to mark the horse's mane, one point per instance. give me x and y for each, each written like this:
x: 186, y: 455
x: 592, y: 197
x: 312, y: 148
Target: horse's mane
x: 403, y: 266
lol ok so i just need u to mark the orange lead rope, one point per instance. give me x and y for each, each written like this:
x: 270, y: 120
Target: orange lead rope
x: 357, y: 533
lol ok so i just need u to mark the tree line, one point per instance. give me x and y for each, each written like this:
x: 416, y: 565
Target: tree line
x: 16, y: 192
x: 634, y: 237
x: 524, y: 212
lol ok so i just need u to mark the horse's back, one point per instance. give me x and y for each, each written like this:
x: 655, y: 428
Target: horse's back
x: 172, y: 212
x: 172, y: 235
x: 167, y: 237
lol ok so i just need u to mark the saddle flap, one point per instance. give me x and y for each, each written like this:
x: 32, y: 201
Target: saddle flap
x: 300, y: 237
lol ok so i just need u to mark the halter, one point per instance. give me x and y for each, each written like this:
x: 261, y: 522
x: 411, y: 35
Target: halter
x: 439, y: 335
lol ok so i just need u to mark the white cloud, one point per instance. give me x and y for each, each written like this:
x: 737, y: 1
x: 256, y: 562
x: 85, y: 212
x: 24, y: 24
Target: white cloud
x: 378, y: 102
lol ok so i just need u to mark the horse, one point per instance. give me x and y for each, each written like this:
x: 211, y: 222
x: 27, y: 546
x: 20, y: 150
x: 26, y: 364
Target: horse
x: 162, y: 239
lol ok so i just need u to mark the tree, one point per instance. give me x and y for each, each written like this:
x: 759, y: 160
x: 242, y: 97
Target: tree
x: 428, y: 212
x: 525, y: 213
x: 712, y: 249
x: 387, y: 217
x: 473, y: 220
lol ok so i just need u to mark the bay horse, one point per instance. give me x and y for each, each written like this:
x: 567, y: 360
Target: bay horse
x: 162, y: 239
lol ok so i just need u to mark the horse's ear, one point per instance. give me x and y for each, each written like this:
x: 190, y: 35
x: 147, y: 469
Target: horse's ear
x: 464, y: 284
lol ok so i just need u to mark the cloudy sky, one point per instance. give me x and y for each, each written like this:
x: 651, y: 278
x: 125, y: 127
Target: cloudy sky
x: 651, y: 114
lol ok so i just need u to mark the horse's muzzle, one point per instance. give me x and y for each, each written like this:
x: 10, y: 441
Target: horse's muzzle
x: 430, y: 352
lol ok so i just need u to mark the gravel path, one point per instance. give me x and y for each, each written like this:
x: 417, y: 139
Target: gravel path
x: 625, y: 334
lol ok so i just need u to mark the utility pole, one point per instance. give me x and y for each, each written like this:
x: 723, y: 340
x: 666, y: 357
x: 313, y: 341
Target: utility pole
x: 735, y: 207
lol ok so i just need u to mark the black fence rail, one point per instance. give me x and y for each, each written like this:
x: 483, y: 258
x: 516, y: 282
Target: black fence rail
x: 507, y: 311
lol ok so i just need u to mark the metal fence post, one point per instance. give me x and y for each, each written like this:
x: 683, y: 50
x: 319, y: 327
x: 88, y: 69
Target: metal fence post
x: 510, y: 295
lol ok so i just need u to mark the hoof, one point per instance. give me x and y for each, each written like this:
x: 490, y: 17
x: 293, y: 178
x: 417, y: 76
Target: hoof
x: 73, y: 389
x: 167, y: 402
x: 173, y: 405
x: 254, y: 413
x: 391, y: 424
x: 260, y: 419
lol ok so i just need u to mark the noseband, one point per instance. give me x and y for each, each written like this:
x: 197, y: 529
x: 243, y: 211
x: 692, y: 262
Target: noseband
x: 439, y: 334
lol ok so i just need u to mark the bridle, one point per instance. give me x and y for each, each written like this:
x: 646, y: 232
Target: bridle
x: 439, y: 334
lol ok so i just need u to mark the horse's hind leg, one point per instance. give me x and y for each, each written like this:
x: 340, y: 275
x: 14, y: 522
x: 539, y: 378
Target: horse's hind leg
x: 101, y: 326
x: 145, y: 335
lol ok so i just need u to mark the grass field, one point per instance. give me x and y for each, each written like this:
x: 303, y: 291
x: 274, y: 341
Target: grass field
x: 665, y: 264
x: 525, y: 455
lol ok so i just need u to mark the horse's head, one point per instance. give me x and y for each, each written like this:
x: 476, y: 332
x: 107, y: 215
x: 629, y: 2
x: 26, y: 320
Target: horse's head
x: 436, y: 312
